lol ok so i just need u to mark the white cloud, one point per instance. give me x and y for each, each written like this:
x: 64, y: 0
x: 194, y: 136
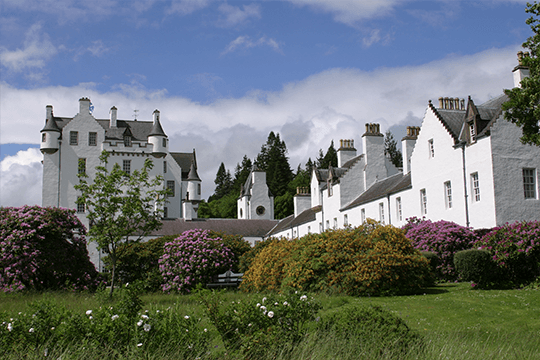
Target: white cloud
x: 185, y: 7
x: 245, y: 42
x: 351, y: 11
x: 333, y: 104
x: 36, y: 51
x: 20, y: 178
x: 233, y: 15
x: 65, y: 10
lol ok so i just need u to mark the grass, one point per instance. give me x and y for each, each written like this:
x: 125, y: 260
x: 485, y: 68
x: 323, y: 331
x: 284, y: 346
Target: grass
x: 455, y: 321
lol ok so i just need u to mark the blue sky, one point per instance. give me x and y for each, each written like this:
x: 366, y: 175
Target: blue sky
x: 226, y: 73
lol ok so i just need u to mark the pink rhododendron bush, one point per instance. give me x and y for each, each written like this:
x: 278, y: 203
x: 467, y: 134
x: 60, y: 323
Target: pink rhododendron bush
x: 515, y: 248
x: 43, y: 248
x: 193, y: 258
x: 443, y: 238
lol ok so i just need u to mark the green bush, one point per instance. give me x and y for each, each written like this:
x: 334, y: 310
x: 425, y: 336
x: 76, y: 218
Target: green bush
x: 433, y: 260
x: 476, y: 266
x: 372, y: 328
x: 247, y: 258
x: 236, y: 244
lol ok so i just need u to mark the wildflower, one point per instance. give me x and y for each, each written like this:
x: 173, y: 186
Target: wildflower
x: 31, y: 330
x: 147, y: 327
x: 303, y: 297
x: 114, y: 317
x: 263, y: 308
x: 285, y: 303
x: 139, y: 344
x: 205, y: 329
x: 145, y: 317
x: 270, y: 314
x: 263, y: 300
x: 90, y: 317
x: 186, y: 317
x: 88, y: 312
x: 139, y: 323
x: 258, y: 304
x: 52, y: 328
x: 9, y: 327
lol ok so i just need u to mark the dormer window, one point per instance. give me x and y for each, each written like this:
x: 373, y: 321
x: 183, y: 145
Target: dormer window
x: 127, y: 140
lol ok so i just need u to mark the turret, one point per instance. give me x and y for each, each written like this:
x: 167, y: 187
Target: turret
x: 158, y: 138
x: 194, y: 184
x: 50, y: 134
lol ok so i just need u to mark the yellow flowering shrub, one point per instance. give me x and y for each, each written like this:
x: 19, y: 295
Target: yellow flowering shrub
x: 265, y: 272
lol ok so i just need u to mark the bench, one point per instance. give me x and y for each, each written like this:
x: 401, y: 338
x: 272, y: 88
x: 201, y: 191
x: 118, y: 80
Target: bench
x: 227, y: 279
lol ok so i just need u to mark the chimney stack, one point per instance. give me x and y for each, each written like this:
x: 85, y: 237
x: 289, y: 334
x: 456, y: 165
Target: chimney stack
x: 407, y: 146
x: 345, y: 152
x: 521, y: 71
x: 113, y: 117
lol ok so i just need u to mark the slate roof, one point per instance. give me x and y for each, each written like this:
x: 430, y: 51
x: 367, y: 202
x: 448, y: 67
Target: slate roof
x: 291, y: 221
x: 185, y: 160
x: 381, y: 189
x: 452, y: 120
x: 243, y: 227
x: 140, y: 130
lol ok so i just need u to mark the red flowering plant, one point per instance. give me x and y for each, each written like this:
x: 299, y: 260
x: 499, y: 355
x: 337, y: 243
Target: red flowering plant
x: 193, y: 258
x: 515, y: 248
x: 443, y: 238
x: 43, y: 248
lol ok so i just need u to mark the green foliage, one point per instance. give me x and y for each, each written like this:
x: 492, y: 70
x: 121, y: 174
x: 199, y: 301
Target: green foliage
x: 433, y: 261
x: 391, y: 150
x: 247, y: 258
x: 523, y: 108
x: 260, y: 326
x: 120, y: 205
x: 224, y: 183
x: 329, y: 159
x: 274, y: 161
x: 236, y: 244
x: 476, y: 266
x: 370, y: 259
x: 388, y: 335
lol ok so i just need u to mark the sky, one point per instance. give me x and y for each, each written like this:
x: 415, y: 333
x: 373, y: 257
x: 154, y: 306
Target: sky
x: 225, y: 73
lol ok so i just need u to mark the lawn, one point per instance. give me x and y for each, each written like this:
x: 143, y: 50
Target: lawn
x: 455, y: 321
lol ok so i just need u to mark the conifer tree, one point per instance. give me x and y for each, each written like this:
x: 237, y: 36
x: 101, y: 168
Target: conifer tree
x: 391, y: 150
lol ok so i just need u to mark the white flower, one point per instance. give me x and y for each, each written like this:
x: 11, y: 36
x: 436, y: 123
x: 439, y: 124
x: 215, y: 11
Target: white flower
x: 285, y: 303
x: 10, y: 326
x: 276, y: 303
x: 205, y: 329
x: 31, y: 330
x: 186, y: 317
x: 114, y: 317
x: 52, y: 328
x: 90, y: 317
x: 270, y: 314
x: 88, y: 312
x: 127, y: 284
x: 263, y: 308
x: 145, y: 317
x: 139, y: 323
x: 303, y: 297
x: 139, y: 344
x: 147, y: 327
x: 157, y: 311
x: 249, y: 324
x: 264, y: 299
x: 258, y: 304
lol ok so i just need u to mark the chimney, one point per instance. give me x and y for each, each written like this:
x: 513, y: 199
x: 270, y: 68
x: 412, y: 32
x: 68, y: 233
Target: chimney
x: 84, y: 105
x: 446, y: 103
x: 49, y: 113
x: 345, y: 152
x: 521, y: 71
x: 302, y: 200
x: 407, y: 146
x: 373, y: 149
x: 113, y: 117
x: 156, y: 116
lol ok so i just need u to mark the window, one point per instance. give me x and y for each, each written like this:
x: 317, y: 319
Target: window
x: 164, y: 142
x: 92, y: 139
x: 81, y: 208
x: 431, y: 149
x: 330, y: 190
x: 198, y: 189
x: 170, y: 186
x: 309, y: 229
x: 43, y: 137
x: 320, y: 227
x: 475, y: 187
x: 73, y: 138
x: 448, y: 194
x: 398, y: 209
x: 82, y: 166
x: 529, y: 183
x: 164, y: 167
x: 335, y: 223
x: 363, y: 215
x: 327, y: 224
x: 127, y: 140
x: 126, y: 166
x: 345, y: 220
x: 381, y: 212
x: 472, y: 132
x: 165, y: 212
x: 423, y: 202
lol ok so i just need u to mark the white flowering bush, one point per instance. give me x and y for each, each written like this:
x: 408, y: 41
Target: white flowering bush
x: 261, y: 324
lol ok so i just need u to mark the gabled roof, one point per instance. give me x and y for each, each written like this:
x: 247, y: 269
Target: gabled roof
x: 246, y: 188
x: 243, y: 227
x: 452, y: 120
x: 381, y: 189
x: 291, y: 221
x: 139, y: 130
x: 184, y: 160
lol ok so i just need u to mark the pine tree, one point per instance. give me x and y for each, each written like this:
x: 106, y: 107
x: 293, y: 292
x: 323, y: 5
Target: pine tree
x: 274, y: 161
x: 391, y: 150
x: 330, y: 158
x: 224, y: 183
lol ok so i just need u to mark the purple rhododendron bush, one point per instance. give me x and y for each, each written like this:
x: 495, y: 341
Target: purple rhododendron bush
x: 43, y: 248
x: 516, y: 251
x: 443, y: 238
x: 193, y: 258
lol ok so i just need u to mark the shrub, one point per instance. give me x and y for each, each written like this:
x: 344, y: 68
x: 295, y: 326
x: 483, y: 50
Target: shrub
x: 43, y: 248
x: 266, y: 272
x: 444, y: 238
x: 433, y: 261
x: 515, y: 248
x: 236, y: 244
x: 476, y: 266
x: 261, y: 326
x: 193, y: 258
x: 371, y: 259
x: 372, y: 328
x: 247, y: 258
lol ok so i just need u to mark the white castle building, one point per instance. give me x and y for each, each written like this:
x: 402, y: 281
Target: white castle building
x: 465, y: 164
x: 66, y: 140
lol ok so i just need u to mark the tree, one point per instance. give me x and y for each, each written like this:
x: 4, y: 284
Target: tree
x: 224, y: 183
x: 120, y: 205
x: 274, y: 161
x: 391, y: 150
x: 523, y: 106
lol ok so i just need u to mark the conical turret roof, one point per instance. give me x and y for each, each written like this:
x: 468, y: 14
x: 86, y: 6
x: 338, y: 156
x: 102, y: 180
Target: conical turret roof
x: 51, y: 125
x: 193, y: 173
